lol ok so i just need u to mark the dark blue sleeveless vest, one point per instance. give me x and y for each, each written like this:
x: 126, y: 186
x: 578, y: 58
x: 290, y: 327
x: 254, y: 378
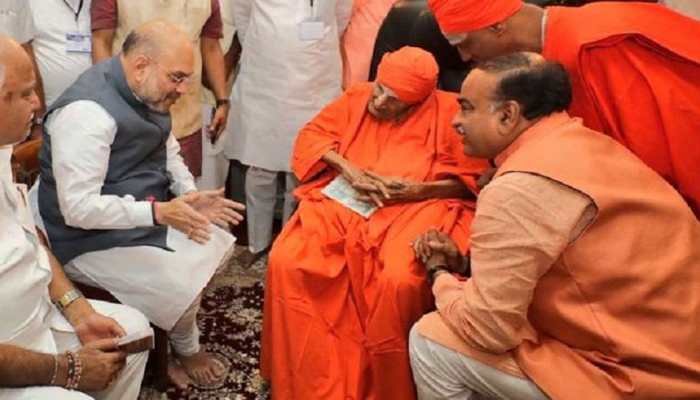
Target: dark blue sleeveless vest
x: 137, y: 163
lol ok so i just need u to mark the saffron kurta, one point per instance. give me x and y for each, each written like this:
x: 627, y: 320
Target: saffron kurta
x: 617, y: 314
x: 635, y: 73
x: 343, y: 291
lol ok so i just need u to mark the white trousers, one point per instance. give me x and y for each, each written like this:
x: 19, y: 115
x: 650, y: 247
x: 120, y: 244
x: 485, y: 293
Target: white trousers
x: 444, y: 374
x: 128, y: 383
x: 260, y: 198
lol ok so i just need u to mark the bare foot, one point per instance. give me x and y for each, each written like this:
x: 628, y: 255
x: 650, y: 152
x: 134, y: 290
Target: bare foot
x: 177, y: 375
x: 203, y: 368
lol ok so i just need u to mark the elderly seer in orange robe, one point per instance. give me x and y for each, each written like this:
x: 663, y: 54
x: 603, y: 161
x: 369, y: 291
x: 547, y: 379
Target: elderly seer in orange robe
x: 634, y: 67
x: 585, y: 283
x: 342, y: 291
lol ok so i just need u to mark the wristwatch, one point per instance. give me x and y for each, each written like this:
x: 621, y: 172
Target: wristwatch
x: 67, y: 299
x: 434, y: 265
x: 222, y: 102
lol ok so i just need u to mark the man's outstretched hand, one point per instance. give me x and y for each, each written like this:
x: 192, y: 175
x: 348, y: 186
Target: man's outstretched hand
x: 214, y: 206
x: 178, y: 214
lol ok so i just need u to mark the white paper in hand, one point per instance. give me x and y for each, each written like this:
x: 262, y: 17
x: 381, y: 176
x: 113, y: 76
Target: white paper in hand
x: 340, y: 190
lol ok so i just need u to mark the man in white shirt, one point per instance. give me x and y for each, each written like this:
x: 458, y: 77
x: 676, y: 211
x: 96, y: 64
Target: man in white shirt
x: 61, y: 45
x: 290, y: 69
x: 39, y: 345
x: 109, y: 163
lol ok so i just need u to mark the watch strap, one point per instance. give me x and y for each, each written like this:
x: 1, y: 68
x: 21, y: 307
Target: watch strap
x: 68, y: 298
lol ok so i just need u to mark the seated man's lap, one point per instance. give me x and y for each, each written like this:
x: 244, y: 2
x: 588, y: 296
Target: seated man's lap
x: 147, y: 277
x: 130, y: 319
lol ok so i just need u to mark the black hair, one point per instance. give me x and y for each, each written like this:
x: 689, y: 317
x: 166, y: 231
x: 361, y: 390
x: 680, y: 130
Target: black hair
x: 540, y: 87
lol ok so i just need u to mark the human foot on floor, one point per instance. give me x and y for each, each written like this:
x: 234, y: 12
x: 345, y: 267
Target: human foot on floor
x: 177, y: 375
x: 203, y: 368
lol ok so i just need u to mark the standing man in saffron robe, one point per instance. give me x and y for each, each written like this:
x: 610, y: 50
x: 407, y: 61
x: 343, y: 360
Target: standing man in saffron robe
x: 584, y: 283
x: 634, y: 70
x: 342, y: 291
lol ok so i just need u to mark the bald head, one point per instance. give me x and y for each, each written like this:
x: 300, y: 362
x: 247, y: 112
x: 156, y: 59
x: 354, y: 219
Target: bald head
x: 12, y: 58
x: 158, y: 61
x: 18, y: 101
x: 155, y: 37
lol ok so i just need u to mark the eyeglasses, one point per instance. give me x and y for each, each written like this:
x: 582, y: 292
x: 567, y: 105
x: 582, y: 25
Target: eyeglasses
x: 176, y: 78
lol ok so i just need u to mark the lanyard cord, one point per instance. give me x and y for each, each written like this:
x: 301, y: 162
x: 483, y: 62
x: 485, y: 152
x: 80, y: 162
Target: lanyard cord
x: 76, y: 13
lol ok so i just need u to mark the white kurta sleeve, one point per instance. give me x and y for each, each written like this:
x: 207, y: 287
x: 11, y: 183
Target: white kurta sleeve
x: 81, y: 136
x: 240, y: 12
x: 182, y: 179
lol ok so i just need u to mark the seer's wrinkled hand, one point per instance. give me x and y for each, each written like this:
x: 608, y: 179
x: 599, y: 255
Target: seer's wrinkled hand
x: 398, y: 190
x: 370, y: 188
x: 217, y: 208
x: 178, y: 214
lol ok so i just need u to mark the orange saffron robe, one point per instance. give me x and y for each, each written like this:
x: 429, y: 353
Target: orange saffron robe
x: 342, y: 291
x: 635, y: 72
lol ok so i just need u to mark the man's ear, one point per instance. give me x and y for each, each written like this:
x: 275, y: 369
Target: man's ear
x: 139, y: 64
x: 509, y: 117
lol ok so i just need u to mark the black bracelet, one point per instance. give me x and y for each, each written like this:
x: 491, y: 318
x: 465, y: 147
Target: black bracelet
x: 221, y: 102
x: 153, y: 213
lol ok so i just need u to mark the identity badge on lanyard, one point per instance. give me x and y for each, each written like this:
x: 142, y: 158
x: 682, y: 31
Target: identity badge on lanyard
x: 311, y: 28
x: 77, y: 41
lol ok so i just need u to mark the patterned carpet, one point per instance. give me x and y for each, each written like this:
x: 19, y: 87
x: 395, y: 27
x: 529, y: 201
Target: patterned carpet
x: 230, y: 321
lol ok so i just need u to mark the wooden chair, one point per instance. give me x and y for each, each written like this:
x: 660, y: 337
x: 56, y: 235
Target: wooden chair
x: 25, y: 168
x: 25, y: 161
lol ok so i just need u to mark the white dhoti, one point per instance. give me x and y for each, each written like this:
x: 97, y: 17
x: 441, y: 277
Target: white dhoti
x: 160, y: 283
x: 61, y: 337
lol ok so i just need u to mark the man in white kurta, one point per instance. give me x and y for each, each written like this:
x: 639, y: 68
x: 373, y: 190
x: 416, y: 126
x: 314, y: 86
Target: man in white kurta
x: 290, y: 69
x: 61, y: 43
x: 34, y: 334
x: 164, y: 282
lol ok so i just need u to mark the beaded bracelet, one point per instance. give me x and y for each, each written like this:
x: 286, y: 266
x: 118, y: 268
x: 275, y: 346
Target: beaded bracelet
x: 71, y: 368
x: 75, y: 371
x: 55, y: 370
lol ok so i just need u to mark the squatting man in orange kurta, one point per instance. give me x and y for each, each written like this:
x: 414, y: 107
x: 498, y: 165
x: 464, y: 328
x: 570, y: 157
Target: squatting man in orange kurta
x: 343, y: 289
x: 585, y: 263
x: 634, y: 68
